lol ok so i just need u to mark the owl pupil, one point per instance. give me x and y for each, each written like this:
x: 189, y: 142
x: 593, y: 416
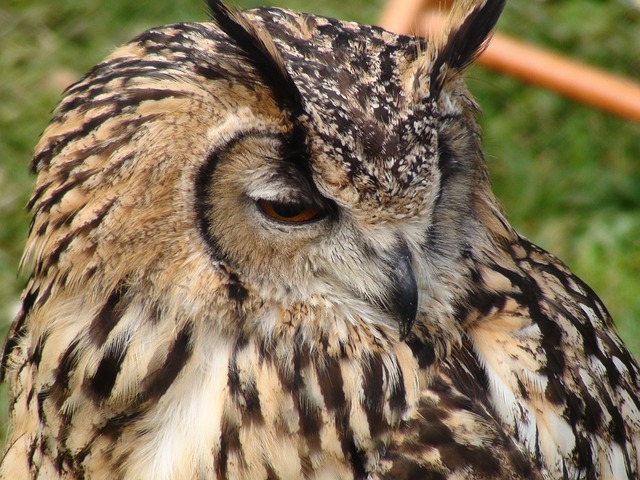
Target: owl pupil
x: 287, y: 210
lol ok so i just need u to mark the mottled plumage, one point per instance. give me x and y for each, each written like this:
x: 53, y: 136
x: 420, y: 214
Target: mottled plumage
x: 267, y: 247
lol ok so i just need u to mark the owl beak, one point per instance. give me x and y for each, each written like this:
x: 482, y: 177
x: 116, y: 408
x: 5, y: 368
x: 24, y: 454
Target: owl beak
x: 403, y: 303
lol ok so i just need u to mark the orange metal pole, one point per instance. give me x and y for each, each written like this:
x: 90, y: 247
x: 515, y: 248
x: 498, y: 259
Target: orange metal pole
x: 580, y: 82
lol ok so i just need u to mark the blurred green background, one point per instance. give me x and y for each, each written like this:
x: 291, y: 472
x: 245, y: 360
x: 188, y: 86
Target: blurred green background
x: 568, y: 176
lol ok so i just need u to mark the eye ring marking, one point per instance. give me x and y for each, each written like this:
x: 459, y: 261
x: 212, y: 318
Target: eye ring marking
x: 289, y: 212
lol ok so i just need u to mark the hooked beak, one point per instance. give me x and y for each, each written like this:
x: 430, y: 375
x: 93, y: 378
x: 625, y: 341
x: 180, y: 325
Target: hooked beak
x: 403, y: 303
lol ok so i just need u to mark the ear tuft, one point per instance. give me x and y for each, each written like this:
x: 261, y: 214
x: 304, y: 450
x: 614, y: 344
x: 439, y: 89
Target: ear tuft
x: 466, y: 35
x: 260, y: 51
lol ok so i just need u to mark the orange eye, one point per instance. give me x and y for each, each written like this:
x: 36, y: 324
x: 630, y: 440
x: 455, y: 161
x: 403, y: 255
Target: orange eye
x: 289, y: 212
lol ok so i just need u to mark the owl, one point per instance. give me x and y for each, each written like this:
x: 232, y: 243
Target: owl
x: 266, y: 247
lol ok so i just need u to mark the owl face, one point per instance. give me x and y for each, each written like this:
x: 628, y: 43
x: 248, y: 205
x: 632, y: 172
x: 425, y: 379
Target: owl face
x: 326, y: 202
x: 332, y: 200
x: 262, y: 211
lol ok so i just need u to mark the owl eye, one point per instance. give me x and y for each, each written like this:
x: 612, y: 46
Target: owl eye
x: 289, y: 212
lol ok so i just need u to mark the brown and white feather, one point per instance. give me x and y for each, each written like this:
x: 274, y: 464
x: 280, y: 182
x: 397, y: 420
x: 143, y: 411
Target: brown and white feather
x: 173, y: 329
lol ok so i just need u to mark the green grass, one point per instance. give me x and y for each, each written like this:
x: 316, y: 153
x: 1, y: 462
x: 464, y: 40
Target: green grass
x: 568, y: 176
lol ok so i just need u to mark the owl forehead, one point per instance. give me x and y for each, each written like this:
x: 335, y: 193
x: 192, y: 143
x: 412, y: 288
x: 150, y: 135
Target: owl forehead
x: 369, y: 138
x: 344, y: 64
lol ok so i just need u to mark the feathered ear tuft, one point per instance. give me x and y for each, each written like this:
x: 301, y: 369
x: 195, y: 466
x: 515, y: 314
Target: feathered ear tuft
x: 260, y: 51
x: 466, y: 34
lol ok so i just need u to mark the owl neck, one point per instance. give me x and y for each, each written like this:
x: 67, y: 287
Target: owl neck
x: 314, y: 399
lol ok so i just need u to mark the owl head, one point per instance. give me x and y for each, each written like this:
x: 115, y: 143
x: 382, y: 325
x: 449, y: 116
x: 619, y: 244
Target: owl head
x: 267, y: 160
